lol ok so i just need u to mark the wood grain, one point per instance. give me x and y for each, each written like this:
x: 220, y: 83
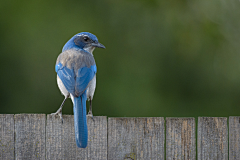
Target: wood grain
x: 61, y: 142
x: 136, y: 138
x: 234, y: 138
x: 128, y: 138
x: 180, y: 139
x: 212, y: 138
x: 30, y: 136
x: 6, y: 136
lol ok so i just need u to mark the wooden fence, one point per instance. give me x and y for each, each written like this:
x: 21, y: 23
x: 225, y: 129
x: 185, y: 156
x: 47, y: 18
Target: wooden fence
x: 35, y: 136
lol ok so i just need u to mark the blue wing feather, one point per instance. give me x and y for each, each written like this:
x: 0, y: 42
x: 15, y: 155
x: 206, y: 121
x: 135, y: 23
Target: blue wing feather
x: 85, y: 75
x: 67, y: 76
x: 75, y: 83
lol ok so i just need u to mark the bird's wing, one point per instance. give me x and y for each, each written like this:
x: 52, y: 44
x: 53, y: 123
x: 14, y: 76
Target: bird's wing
x: 67, y: 77
x: 75, y: 76
x: 85, y: 75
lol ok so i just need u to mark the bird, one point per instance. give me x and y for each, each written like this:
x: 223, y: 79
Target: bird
x: 76, y: 78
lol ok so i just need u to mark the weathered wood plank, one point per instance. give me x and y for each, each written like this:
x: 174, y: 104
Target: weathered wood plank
x: 234, y: 138
x: 30, y: 136
x: 212, y: 138
x: 136, y: 138
x: 61, y: 142
x: 97, y: 139
x: 6, y: 136
x: 180, y: 139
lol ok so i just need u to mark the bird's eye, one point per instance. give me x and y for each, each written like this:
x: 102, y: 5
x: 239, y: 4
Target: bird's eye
x: 85, y: 38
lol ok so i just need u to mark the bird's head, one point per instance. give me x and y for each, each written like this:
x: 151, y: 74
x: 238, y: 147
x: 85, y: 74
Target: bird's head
x: 84, y: 40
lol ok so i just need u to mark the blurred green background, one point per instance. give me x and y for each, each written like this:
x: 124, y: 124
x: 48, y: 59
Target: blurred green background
x: 163, y: 58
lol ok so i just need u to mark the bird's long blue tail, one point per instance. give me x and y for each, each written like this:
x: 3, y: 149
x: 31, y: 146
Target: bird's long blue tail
x: 80, y: 121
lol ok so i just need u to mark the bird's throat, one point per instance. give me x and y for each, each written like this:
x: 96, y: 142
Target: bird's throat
x: 89, y: 49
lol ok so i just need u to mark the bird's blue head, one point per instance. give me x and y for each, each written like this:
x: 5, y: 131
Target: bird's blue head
x: 84, y: 40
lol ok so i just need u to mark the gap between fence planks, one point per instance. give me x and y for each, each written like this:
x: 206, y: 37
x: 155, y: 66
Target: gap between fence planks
x: 37, y: 136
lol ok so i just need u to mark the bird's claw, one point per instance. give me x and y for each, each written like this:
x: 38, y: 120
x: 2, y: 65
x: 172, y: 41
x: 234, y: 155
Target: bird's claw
x: 90, y: 115
x: 59, y: 113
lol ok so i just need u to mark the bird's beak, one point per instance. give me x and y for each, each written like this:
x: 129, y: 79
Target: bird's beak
x: 99, y: 45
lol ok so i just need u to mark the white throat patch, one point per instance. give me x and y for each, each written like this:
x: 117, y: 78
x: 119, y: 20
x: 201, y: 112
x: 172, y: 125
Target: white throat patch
x: 89, y: 49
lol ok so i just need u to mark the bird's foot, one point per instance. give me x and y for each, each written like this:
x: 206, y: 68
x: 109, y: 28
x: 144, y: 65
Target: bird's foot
x: 59, y: 113
x: 90, y: 115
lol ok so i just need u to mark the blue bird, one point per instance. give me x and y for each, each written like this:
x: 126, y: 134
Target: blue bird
x: 76, y: 78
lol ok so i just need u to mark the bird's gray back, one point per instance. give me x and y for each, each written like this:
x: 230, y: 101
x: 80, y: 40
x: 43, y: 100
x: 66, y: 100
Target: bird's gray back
x: 75, y: 59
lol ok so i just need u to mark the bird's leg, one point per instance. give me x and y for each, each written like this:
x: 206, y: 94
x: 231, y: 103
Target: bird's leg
x: 90, y: 109
x: 59, y: 111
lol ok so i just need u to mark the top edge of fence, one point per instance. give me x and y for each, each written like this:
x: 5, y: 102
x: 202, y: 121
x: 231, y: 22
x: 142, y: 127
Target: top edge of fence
x: 120, y: 117
x: 30, y: 113
x: 133, y: 117
x: 211, y: 117
x: 180, y: 117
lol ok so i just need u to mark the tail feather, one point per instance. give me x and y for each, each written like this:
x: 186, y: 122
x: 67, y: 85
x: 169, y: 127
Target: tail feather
x: 80, y: 121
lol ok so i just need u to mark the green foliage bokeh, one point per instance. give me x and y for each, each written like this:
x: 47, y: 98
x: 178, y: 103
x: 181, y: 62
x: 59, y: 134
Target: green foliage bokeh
x: 162, y: 58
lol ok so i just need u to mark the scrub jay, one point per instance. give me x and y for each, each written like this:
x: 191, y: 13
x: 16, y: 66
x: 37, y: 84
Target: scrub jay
x: 76, y: 78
